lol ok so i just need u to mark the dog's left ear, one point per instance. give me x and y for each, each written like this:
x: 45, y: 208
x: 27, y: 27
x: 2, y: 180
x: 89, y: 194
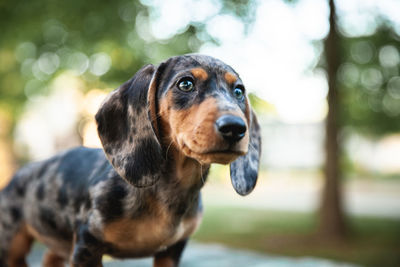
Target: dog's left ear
x: 244, y: 170
x: 127, y: 127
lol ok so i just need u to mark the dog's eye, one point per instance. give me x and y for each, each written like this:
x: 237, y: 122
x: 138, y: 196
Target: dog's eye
x: 238, y: 92
x: 186, y: 85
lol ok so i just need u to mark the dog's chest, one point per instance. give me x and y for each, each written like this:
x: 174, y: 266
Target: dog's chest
x: 146, y: 236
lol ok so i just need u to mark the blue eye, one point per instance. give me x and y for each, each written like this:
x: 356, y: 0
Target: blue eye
x: 238, y: 93
x: 186, y: 85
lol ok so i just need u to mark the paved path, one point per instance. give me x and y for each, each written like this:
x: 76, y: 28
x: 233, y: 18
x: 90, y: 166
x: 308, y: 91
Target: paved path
x: 199, y: 255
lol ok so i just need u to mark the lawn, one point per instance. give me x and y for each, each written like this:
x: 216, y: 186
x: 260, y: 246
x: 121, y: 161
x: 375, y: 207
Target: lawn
x: 371, y: 241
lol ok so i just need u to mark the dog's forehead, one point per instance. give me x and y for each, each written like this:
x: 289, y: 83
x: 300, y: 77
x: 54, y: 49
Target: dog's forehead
x: 208, y: 63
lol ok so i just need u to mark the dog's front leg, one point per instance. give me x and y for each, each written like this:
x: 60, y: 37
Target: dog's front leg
x: 171, y: 256
x: 88, y: 251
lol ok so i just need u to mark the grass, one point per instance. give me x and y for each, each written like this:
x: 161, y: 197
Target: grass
x: 371, y: 241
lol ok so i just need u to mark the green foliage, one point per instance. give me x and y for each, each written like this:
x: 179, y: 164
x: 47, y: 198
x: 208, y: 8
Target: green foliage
x: 42, y: 39
x: 260, y: 105
x: 243, y: 9
x: 369, y: 82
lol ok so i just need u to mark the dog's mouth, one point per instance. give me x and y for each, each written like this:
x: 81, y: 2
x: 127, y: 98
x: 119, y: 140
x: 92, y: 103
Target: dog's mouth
x: 226, y: 151
x: 221, y: 156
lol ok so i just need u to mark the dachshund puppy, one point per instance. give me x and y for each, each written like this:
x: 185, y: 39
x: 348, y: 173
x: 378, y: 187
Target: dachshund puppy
x: 139, y: 196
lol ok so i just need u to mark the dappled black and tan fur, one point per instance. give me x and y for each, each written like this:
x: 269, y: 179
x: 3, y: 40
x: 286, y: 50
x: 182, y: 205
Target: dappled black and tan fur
x: 140, y: 195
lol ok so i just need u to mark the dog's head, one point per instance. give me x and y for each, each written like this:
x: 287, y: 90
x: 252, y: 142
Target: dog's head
x: 198, y: 104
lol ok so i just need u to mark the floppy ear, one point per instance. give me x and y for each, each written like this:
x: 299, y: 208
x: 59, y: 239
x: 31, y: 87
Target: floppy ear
x: 126, y: 131
x: 244, y: 170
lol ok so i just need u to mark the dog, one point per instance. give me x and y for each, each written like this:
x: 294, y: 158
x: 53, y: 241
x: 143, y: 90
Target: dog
x: 139, y: 196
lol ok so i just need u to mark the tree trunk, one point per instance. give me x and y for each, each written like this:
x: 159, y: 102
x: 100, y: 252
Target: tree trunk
x: 331, y: 220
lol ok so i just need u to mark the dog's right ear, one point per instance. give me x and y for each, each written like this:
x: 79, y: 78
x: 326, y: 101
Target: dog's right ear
x: 129, y: 133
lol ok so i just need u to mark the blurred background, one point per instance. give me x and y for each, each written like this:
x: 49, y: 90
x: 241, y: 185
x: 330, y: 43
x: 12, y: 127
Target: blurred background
x: 323, y: 77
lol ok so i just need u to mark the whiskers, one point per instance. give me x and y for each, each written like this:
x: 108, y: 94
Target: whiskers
x: 169, y: 146
x: 201, y: 173
x: 154, y: 120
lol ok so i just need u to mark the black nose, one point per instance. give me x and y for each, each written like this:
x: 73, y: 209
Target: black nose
x: 231, y: 128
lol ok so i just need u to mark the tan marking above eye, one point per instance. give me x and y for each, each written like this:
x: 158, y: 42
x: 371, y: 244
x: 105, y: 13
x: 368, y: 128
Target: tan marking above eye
x: 230, y: 78
x: 200, y: 73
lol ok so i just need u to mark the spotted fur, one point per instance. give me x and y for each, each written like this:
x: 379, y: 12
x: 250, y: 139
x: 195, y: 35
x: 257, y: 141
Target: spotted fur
x: 139, y: 195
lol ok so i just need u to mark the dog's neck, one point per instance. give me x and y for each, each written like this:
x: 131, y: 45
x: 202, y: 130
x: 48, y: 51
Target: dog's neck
x: 187, y: 172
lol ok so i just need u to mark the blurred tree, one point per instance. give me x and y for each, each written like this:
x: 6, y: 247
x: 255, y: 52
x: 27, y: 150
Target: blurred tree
x: 331, y: 223
x: 364, y: 96
x: 331, y: 215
